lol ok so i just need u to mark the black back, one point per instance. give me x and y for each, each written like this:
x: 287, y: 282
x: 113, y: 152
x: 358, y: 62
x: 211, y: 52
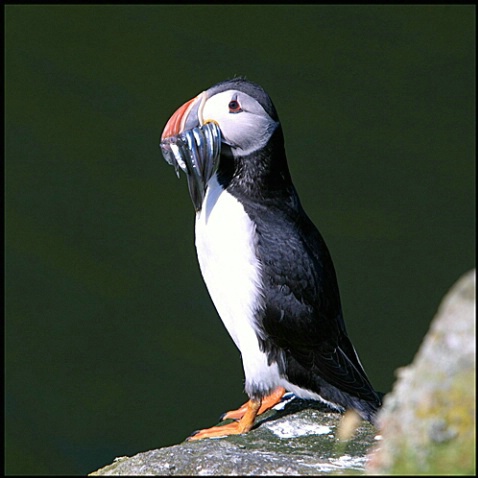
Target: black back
x: 301, y: 326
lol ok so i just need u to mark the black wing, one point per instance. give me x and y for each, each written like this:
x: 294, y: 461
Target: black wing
x: 303, y: 314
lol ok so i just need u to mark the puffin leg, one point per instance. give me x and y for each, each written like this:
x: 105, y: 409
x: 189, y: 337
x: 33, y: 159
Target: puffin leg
x: 234, y: 428
x: 267, y: 403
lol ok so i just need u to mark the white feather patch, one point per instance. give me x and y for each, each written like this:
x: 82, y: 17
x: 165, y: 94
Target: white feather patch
x: 225, y: 243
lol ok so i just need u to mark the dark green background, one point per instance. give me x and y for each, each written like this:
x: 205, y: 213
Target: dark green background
x: 112, y: 344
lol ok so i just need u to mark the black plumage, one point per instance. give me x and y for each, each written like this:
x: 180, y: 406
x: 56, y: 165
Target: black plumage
x: 302, y: 324
x: 286, y: 316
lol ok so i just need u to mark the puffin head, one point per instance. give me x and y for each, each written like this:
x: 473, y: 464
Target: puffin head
x: 247, y: 120
x: 243, y: 111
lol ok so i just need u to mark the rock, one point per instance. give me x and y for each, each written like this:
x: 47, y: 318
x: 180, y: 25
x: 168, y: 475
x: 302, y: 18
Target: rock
x: 428, y: 420
x: 298, y: 440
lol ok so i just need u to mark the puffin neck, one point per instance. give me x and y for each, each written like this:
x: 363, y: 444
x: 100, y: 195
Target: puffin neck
x: 261, y: 173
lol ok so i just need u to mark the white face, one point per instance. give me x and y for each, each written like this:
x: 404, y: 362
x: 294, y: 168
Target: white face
x: 244, y: 123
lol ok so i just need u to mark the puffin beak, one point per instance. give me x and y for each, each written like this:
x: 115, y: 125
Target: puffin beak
x: 193, y: 145
x: 185, y: 117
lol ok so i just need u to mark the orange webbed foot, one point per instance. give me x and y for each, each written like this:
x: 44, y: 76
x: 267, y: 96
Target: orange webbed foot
x: 268, y: 402
x: 235, y: 428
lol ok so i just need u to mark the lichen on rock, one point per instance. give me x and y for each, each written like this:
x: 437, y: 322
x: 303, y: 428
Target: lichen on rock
x: 427, y: 423
x: 298, y: 440
x: 428, y: 420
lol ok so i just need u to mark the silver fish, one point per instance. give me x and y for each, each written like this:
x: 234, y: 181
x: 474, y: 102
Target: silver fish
x: 195, y: 151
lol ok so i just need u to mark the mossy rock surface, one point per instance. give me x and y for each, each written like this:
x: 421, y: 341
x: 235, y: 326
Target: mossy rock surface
x: 428, y: 420
x: 427, y: 424
x: 298, y: 440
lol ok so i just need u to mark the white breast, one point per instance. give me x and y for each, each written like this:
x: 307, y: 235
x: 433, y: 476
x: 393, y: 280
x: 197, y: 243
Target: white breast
x: 225, y: 237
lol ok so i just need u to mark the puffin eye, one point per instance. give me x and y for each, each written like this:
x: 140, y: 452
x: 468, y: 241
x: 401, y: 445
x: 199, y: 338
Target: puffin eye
x: 234, y: 106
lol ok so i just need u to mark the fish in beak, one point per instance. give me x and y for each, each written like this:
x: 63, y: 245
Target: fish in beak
x: 190, y: 143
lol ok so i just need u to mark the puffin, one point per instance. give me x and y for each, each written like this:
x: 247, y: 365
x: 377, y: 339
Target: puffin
x: 266, y: 267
